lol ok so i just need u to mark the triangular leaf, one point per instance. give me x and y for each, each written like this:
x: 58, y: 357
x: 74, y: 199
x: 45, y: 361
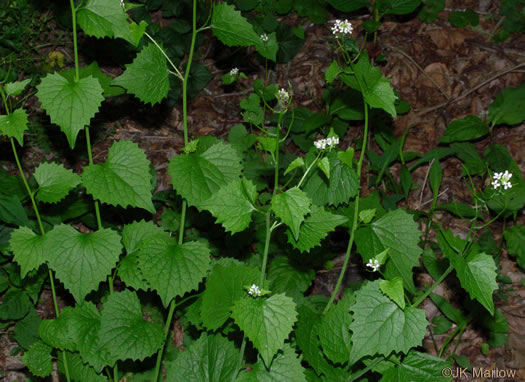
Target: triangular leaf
x: 266, y: 322
x: 124, y: 332
x: 71, y: 105
x: 13, y: 89
x: 102, y: 18
x: 54, y: 182
x: 13, y: 125
x: 231, y: 28
x: 172, y: 269
x: 124, y: 179
x: 291, y: 207
x: 82, y: 260
x: 29, y: 249
x: 393, y: 289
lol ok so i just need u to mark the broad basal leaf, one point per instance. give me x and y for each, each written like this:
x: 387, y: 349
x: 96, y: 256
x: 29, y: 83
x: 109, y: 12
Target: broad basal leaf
x: 82, y: 260
x: 103, y: 18
x: 29, y: 249
x: 38, y: 359
x: 315, y: 228
x: 197, y: 176
x: 124, y: 332
x: 398, y: 231
x: 147, y: 76
x: 418, y: 367
x: 381, y: 327
x: 291, y: 207
x: 514, y: 238
x: 266, y: 322
x: 334, y: 331
x: 124, y: 179
x: 69, y: 104
x: 172, y: 269
x: 466, y: 129
x: 508, y: 107
x: 286, y: 366
x: 13, y: 125
x: 211, y: 358
x: 233, y: 205
x: 231, y: 28
x: 286, y: 278
x: 224, y: 286
x: 54, y: 182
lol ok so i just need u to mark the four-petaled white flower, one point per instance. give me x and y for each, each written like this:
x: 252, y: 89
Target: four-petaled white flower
x: 502, y: 179
x: 283, y: 97
x: 122, y: 4
x: 374, y: 264
x: 341, y: 28
x: 322, y: 144
x: 234, y: 72
x: 254, y: 291
x: 264, y: 37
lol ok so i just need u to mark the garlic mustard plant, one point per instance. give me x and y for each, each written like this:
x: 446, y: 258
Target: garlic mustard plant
x: 322, y: 144
x: 502, y: 179
x: 264, y: 37
x: 373, y: 264
x: 342, y: 28
x: 254, y: 291
x: 234, y: 71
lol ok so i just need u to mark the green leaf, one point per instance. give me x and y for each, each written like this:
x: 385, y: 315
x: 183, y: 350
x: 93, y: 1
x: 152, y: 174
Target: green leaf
x: 435, y: 179
x: 147, y: 76
x: 469, y: 154
x: 15, y: 305
x: 514, y: 238
x: 29, y: 249
x: 172, y: 269
x: 210, y: 358
x: 397, y: 7
x: 102, y: 18
x: 348, y: 6
x: 462, y: 19
x: 286, y: 366
x: 266, y: 322
x: 56, y: 333
x: 291, y: 207
x: 332, y: 72
x: 54, y: 182
x: 240, y: 138
x: 393, y: 289
x: 231, y: 28
x: 381, y: 327
x: 12, y: 89
x: 268, y: 49
x: 324, y: 166
x: 377, y: 91
x: 224, y: 286
x: 253, y: 110
x: 94, y: 70
x: 78, y: 370
x: 123, y: 179
x: 130, y: 273
x: 398, y: 231
x: 13, y: 125
x: 124, y: 332
x: 26, y: 330
x: 286, y: 278
x: 233, y: 205
x: 466, y: 129
x: 315, y: 228
x: 38, y: 359
x: 508, y: 107
x: 418, y: 366
x: 296, y: 163
x: 197, y: 176
x: 12, y: 211
x: 69, y: 104
x: 459, y: 209
x: 334, y: 331
x: 82, y: 260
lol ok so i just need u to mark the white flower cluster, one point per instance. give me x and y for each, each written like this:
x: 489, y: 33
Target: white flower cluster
x: 234, y: 72
x: 322, y: 144
x: 342, y: 27
x: 264, y: 37
x: 254, y: 291
x: 502, y: 179
x: 122, y: 4
x: 283, y: 97
x: 374, y: 264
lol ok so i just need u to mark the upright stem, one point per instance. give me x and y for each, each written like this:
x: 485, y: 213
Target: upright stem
x: 75, y: 46
x: 187, y: 72
x: 90, y: 157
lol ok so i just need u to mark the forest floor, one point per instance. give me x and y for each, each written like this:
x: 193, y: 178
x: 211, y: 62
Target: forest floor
x: 445, y: 73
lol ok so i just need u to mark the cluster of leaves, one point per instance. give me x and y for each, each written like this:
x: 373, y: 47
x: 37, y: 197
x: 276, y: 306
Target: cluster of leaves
x: 284, y: 206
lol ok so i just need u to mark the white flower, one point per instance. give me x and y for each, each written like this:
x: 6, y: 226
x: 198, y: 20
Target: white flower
x: 264, y: 37
x: 502, y: 179
x: 254, y: 291
x: 322, y: 144
x: 234, y: 72
x: 283, y: 97
x: 122, y: 4
x: 374, y: 264
x: 342, y: 27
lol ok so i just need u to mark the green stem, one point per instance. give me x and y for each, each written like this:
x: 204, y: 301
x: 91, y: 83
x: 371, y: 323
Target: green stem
x: 434, y: 286
x: 75, y: 45
x: 239, y: 362
x: 358, y: 374
x: 187, y: 73
x: 266, y: 249
x: 166, y: 331
x: 177, y: 72
x: 309, y: 169
x: 66, y: 367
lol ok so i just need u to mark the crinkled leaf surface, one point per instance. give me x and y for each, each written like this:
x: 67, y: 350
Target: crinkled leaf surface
x: 291, y: 207
x: 225, y: 285
x: 147, y: 76
x: 94, y: 70
x: 267, y: 322
x: 211, y: 358
x: 334, y: 331
x: 197, y: 176
x: 398, y: 231
x: 315, y: 228
x: 124, y: 332
x: 14, y: 125
x: 172, y: 269
x: 69, y: 104
x: 286, y: 366
x: 56, y: 333
x: 103, y: 18
x: 82, y: 260
x: 38, y: 359
x: 381, y: 327
x: 514, y: 238
x: 286, y: 278
x: 124, y: 179
x: 418, y: 366
x: 29, y: 249
x: 54, y: 182
x: 233, y: 205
